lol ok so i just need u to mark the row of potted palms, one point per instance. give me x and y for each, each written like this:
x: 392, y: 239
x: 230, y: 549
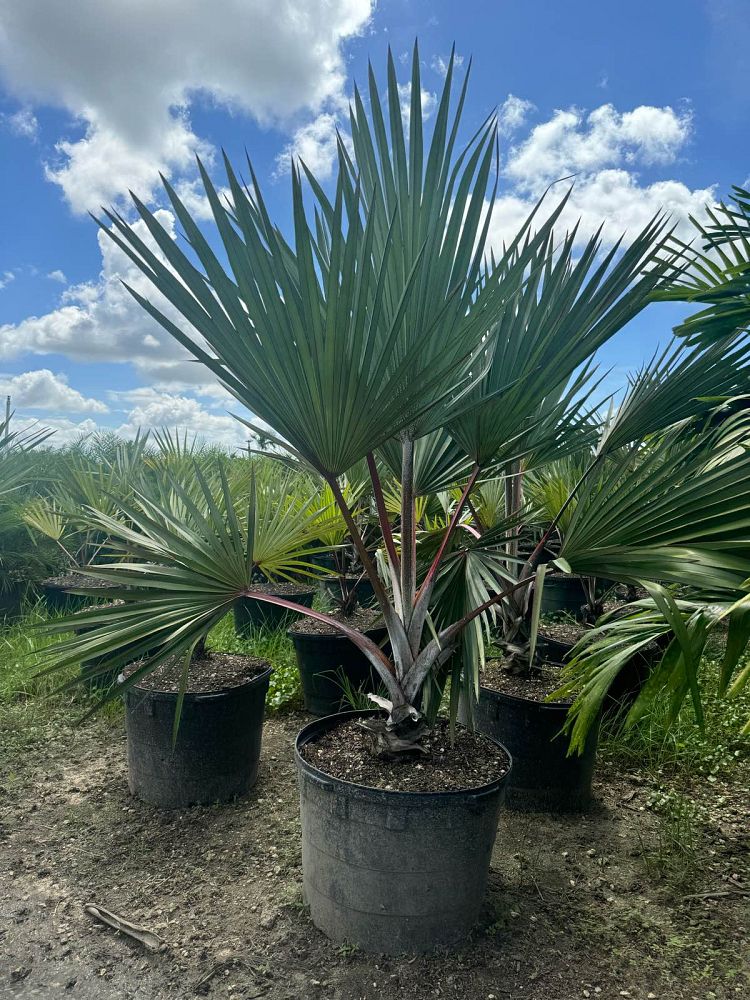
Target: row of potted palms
x: 384, y: 333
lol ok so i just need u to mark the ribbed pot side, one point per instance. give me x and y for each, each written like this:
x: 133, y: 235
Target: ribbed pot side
x: 393, y: 872
x: 217, y: 751
x: 544, y: 777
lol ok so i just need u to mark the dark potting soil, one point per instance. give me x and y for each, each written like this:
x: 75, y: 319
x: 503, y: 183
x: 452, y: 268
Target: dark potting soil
x: 535, y: 686
x: 93, y: 608
x: 361, y: 619
x: 73, y: 581
x: 473, y: 760
x: 214, y: 672
x: 282, y: 589
x: 562, y: 631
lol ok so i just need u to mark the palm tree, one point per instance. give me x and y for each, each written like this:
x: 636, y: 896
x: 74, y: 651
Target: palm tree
x: 386, y: 324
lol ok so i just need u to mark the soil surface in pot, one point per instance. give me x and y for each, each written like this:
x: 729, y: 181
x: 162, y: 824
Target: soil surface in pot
x: 283, y: 589
x: 71, y: 581
x: 213, y: 673
x: 361, y: 619
x: 535, y: 686
x: 562, y: 631
x: 345, y: 753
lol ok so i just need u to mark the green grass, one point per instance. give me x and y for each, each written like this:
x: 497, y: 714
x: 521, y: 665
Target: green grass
x: 31, y: 703
x: 684, y: 750
x: 691, y: 773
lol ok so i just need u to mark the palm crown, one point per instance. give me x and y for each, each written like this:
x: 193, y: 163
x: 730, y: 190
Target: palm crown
x: 387, y: 330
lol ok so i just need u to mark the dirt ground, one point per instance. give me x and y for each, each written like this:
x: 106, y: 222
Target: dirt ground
x: 571, y: 909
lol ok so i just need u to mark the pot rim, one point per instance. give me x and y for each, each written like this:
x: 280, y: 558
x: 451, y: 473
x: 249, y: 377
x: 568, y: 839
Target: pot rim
x: 198, y: 696
x: 302, y: 590
x: 554, y: 706
x: 336, y: 636
x: 384, y: 794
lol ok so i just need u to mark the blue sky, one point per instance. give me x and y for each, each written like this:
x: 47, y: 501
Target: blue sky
x: 647, y: 103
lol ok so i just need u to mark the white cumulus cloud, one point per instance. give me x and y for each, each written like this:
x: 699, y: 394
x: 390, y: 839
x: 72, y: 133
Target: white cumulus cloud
x: 100, y: 321
x: 129, y: 75
x: 441, y: 63
x: 573, y: 142
x: 606, y: 153
x: 170, y: 411
x: 315, y: 144
x: 44, y: 390
x: 512, y: 114
x: 23, y: 123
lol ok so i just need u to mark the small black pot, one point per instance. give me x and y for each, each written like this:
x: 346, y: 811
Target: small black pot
x: 11, y: 600
x: 323, y: 658
x: 544, y: 778
x: 323, y: 559
x: 250, y: 613
x: 626, y: 686
x: 60, y: 600
x: 562, y: 593
x: 393, y: 872
x: 217, y: 751
x: 363, y: 587
x: 552, y: 650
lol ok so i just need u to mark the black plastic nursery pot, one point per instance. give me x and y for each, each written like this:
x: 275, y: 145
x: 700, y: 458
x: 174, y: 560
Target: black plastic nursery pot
x: 565, y: 593
x: 323, y: 659
x: 216, y: 755
x: 57, y: 592
x: 552, y: 650
x: 363, y: 587
x: 60, y: 600
x: 544, y: 778
x: 562, y: 593
x: 11, y: 600
x: 393, y: 872
x: 323, y: 559
x: 629, y: 681
x: 250, y: 613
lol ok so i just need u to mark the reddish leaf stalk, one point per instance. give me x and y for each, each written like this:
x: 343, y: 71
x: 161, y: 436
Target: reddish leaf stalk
x: 428, y: 580
x: 385, y: 527
x: 365, y: 644
x: 367, y: 563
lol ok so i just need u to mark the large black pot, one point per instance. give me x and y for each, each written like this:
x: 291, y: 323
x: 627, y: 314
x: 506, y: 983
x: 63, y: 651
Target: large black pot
x: 217, y: 751
x: 566, y: 594
x: 250, y: 613
x: 393, y: 872
x: 544, y: 777
x: 551, y: 650
x: 322, y: 659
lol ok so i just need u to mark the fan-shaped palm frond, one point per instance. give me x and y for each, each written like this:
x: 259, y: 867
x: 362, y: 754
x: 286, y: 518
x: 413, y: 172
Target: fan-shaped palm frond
x: 717, y: 275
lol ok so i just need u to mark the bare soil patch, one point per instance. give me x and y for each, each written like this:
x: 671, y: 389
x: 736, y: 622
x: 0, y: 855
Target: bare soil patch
x: 362, y: 619
x: 570, y: 911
